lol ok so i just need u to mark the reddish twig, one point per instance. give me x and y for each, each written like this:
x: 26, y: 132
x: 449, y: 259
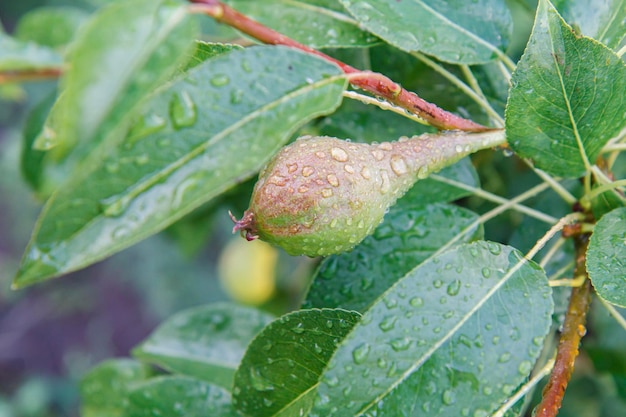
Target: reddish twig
x: 29, y: 75
x: 375, y: 83
x: 573, y: 330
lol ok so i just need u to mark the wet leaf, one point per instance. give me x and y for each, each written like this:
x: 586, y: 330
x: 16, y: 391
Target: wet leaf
x: 315, y: 23
x: 50, y: 26
x: 606, y: 257
x: 205, y: 342
x: 280, y: 370
x: 198, y: 138
x: 566, y: 101
x: 408, y: 236
x: 17, y: 55
x: 174, y: 396
x: 457, y: 32
x: 124, y: 52
x: 604, y: 21
x: 453, y: 337
x: 104, y: 390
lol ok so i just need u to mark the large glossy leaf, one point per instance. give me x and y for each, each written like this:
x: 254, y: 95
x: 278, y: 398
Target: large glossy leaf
x: 123, y: 53
x: 567, y: 97
x: 50, y: 26
x: 455, y: 336
x: 177, y: 396
x: 205, y: 342
x: 601, y: 20
x: 316, y: 23
x: 104, y: 390
x: 407, y: 237
x: 18, y: 55
x: 279, y: 373
x: 204, y: 134
x: 453, y: 31
x: 606, y: 257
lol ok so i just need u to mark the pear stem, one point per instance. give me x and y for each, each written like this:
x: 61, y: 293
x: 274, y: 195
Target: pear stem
x: 372, y: 82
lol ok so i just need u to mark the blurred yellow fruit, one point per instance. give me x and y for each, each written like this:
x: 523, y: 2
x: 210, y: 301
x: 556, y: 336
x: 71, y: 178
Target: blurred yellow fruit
x: 247, y: 270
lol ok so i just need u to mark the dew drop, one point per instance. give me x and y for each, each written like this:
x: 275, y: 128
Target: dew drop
x: 398, y: 165
x: 317, y: 348
x: 448, y: 397
x: 505, y: 357
x: 332, y: 381
x: 146, y: 125
x: 400, y: 344
x: 525, y: 367
x: 332, y: 180
x: 382, y: 363
x: 423, y: 172
x: 486, y: 272
x: 437, y: 283
x: 365, y: 173
x: 329, y: 324
x: 379, y: 155
x: 291, y: 168
x: 267, y: 402
x: 360, y: 353
x: 339, y: 154
x: 303, y: 189
x: 348, y: 168
x: 454, y: 287
x: 182, y: 110
x: 298, y: 329
x: 115, y: 206
x: 142, y: 159
x: 259, y: 382
x: 220, y: 80
x: 236, y: 96
x: 388, y: 323
x: 480, y: 413
x: 327, y: 192
x: 416, y: 301
x: 307, y: 171
x: 385, y: 185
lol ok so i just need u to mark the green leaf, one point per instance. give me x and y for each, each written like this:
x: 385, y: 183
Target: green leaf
x: 50, y: 26
x: 604, y: 21
x: 408, y: 236
x: 203, y: 135
x: 566, y: 101
x: 315, y: 23
x: 281, y: 368
x: 606, y: 257
x: 455, y: 336
x: 32, y: 160
x: 173, y: 396
x: 456, y: 32
x: 123, y: 53
x: 104, y: 390
x: 23, y: 56
x: 205, y: 342
x: 206, y: 50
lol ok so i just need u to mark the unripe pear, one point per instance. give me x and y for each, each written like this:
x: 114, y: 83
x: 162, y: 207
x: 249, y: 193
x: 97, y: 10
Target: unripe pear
x: 323, y: 195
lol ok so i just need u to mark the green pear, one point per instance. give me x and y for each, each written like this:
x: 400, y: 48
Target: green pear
x: 323, y: 195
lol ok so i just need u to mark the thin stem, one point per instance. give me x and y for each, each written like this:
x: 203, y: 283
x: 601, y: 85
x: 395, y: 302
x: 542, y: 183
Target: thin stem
x: 573, y: 330
x: 567, y: 282
x: 613, y: 312
x: 554, y: 184
x: 480, y: 100
x: 30, y: 75
x: 479, y: 192
x: 493, y: 213
x: 622, y: 51
x: 604, y: 188
x: 375, y: 83
x: 563, y: 221
x: 472, y: 81
x: 561, y: 271
x: 615, y: 147
x: 525, y: 389
x: 553, y: 250
x: 506, y: 74
x: 383, y: 105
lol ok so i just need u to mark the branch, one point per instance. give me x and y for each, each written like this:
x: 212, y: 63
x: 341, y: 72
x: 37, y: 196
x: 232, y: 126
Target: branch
x: 29, y: 75
x: 375, y: 83
x: 573, y: 330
